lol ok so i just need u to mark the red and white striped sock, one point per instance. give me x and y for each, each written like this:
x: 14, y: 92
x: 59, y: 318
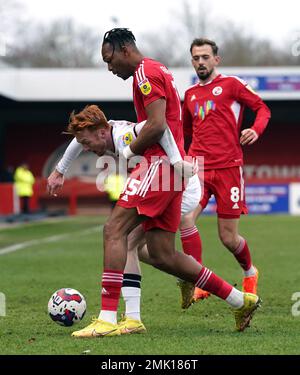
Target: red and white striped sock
x: 209, y: 281
x: 242, y: 255
x: 112, y: 281
x: 212, y: 283
x: 191, y: 243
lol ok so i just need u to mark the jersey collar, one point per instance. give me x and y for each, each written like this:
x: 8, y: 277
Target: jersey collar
x: 209, y: 82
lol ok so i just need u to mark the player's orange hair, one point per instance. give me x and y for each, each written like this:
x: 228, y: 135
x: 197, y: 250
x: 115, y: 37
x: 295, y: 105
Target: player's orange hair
x: 91, y: 117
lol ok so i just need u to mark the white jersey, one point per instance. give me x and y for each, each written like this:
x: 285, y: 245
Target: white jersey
x: 123, y: 133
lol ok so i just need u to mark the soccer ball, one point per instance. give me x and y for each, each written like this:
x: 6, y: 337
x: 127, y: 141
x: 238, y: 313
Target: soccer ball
x: 66, y: 306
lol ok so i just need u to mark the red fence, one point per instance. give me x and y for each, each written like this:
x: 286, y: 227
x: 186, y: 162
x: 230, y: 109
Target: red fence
x: 73, y: 191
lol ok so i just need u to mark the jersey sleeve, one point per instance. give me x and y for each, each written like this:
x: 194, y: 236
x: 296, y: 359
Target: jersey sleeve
x: 71, y: 153
x: 246, y: 95
x: 150, y: 85
x: 167, y: 142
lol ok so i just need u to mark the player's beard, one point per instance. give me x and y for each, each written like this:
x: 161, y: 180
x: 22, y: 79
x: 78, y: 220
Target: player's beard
x: 204, y: 74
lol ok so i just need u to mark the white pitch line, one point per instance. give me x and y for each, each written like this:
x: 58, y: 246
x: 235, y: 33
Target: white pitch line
x: 24, y: 245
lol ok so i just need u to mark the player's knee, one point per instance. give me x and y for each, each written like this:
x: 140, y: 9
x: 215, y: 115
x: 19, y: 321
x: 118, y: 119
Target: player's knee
x: 187, y: 221
x: 113, y: 230
x: 228, y: 239
x: 158, y: 263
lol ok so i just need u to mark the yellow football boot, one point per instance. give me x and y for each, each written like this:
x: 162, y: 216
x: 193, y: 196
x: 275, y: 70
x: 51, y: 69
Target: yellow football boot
x: 244, y: 314
x: 187, y: 293
x: 128, y: 325
x: 98, y: 328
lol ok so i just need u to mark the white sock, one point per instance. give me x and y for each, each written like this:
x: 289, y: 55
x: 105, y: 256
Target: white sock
x: 235, y: 299
x: 132, y: 299
x: 250, y: 272
x: 108, y: 316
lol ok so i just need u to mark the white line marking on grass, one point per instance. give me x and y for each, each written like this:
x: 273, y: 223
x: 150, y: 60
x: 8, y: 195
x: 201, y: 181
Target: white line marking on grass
x: 24, y: 245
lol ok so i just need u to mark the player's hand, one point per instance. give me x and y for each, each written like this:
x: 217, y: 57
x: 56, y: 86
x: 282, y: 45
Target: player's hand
x: 248, y: 136
x: 55, y: 182
x: 186, y: 169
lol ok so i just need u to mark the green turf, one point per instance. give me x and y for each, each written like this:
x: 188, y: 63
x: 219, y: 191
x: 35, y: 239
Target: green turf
x: 29, y: 276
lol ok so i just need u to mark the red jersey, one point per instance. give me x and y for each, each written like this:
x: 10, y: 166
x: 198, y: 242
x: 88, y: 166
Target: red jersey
x: 153, y: 81
x: 212, y: 117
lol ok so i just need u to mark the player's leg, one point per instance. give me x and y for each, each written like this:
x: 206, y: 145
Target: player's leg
x: 165, y: 257
x: 121, y: 222
x: 229, y: 235
x: 190, y: 236
x: 192, y: 245
x: 230, y: 197
x: 131, y: 288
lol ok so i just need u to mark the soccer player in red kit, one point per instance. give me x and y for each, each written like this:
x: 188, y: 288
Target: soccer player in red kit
x: 212, y: 118
x: 156, y: 100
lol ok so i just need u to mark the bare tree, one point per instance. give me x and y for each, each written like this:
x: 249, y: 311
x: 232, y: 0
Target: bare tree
x: 66, y: 44
x: 237, y: 47
x: 11, y: 17
x: 61, y: 44
x: 171, y: 45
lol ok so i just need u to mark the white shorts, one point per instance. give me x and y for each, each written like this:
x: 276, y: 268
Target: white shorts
x: 191, y: 195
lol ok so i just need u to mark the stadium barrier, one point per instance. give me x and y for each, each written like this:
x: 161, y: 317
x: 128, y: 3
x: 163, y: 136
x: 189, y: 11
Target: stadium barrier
x: 75, y: 192
x: 263, y: 197
x: 9, y: 201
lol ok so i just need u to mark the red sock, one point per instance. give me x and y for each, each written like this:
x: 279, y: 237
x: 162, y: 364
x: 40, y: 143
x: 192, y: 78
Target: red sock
x: 209, y: 281
x: 111, y: 288
x: 191, y: 243
x: 242, y: 254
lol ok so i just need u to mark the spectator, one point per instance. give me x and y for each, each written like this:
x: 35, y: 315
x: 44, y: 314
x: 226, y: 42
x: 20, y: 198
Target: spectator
x: 24, y: 181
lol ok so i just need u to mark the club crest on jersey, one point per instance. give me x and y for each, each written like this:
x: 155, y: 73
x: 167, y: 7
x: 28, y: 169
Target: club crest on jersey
x: 127, y: 138
x: 217, y: 90
x: 145, y: 87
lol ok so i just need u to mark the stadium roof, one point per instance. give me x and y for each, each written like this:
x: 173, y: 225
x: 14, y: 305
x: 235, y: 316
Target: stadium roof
x: 280, y: 83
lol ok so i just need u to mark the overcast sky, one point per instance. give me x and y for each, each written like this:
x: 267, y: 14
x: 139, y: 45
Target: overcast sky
x: 275, y: 20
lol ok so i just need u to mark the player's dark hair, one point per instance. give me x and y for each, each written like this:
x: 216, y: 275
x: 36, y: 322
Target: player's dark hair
x: 198, y: 42
x: 118, y: 38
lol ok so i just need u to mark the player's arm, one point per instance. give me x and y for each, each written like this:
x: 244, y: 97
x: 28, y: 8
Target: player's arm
x: 247, y: 96
x: 170, y: 147
x: 56, y: 179
x: 187, y: 125
x: 152, y: 130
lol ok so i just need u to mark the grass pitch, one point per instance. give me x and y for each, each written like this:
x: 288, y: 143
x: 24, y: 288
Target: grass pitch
x: 66, y: 253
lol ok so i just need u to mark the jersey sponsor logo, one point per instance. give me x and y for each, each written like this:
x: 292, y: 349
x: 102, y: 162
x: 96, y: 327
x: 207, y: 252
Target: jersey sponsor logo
x: 145, y: 87
x: 203, y: 110
x: 127, y: 138
x: 217, y: 90
x: 193, y: 97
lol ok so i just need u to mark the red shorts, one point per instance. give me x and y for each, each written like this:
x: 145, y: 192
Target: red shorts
x: 227, y: 185
x: 145, y: 190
